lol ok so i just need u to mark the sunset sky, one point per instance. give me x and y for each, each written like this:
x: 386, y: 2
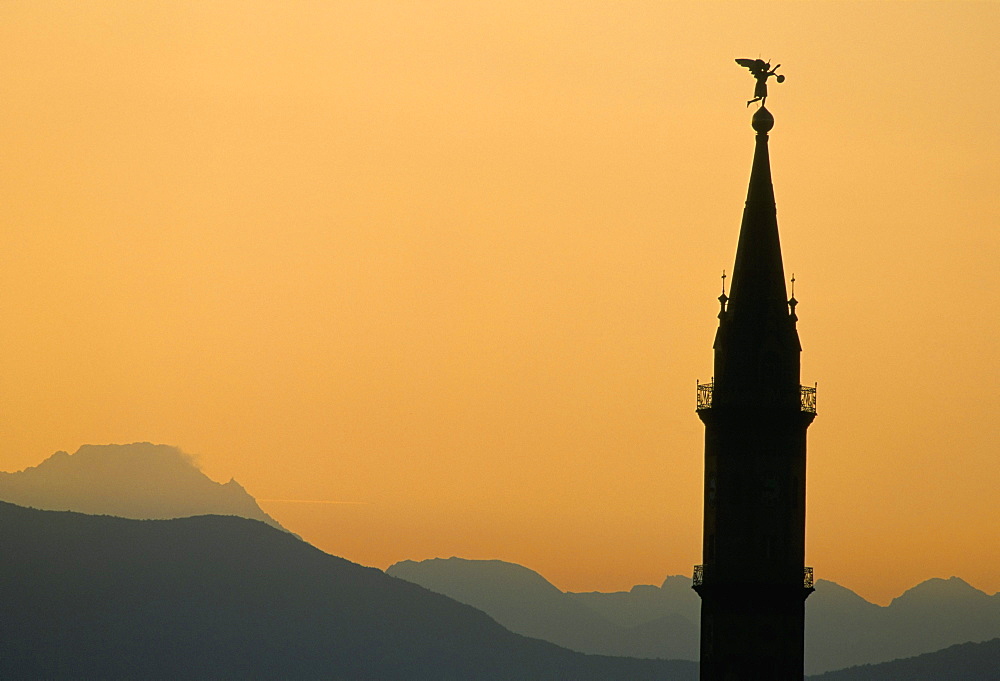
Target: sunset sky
x: 454, y: 265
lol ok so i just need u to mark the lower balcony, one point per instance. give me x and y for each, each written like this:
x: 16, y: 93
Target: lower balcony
x: 698, y: 578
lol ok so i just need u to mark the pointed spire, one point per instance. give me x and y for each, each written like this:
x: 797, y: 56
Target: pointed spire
x: 756, y: 345
x: 757, y: 288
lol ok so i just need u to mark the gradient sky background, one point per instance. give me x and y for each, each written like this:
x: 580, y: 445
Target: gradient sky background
x: 456, y: 263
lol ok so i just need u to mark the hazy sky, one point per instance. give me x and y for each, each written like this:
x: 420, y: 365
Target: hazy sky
x: 456, y: 263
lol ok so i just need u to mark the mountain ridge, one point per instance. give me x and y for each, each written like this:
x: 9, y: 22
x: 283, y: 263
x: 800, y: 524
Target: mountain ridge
x: 224, y: 597
x: 971, y: 661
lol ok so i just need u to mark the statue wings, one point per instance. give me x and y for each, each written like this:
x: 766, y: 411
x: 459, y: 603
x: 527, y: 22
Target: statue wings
x: 756, y: 66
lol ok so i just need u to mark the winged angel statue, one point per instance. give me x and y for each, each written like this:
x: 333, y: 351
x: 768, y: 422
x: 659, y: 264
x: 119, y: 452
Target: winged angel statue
x: 761, y: 70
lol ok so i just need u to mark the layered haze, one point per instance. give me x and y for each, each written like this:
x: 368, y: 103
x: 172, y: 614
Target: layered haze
x: 455, y: 264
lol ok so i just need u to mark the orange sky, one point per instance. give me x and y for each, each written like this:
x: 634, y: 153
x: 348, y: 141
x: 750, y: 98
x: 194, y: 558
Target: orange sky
x: 457, y: 262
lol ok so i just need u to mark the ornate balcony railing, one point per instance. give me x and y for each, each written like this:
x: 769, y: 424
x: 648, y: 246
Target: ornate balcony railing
x: 698, y: 578
x: 807, y: 397
x: 808, y: 401
x: 705, y: 396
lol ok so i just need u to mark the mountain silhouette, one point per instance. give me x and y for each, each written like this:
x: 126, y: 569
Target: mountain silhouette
x: 139, y: 480
x: 842, y: 629
x: 960, y: 662
x: 222, y: 597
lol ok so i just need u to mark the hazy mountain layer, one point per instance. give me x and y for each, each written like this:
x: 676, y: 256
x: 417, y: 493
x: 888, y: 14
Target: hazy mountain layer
x: 842, y: 629
x: 212, y: 597
x: 143, y: 480
x: 139, y: 480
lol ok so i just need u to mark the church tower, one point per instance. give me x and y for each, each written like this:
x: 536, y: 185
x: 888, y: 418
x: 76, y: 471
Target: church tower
x: 753, y: 583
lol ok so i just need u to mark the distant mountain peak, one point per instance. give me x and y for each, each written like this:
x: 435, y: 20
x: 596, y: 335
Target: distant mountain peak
x: 139, y: 480
x: 938, y: 589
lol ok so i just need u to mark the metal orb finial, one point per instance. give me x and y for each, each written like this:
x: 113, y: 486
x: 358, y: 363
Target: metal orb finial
x: 762, y: 121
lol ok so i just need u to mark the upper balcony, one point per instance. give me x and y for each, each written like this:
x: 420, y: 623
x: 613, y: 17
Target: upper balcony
x: 705, y: 395
x: 807, y: 397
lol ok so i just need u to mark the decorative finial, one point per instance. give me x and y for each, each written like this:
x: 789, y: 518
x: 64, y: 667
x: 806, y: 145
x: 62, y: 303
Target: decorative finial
x: 723, y: 299
x: 761, y: 70
x: 792, y: 302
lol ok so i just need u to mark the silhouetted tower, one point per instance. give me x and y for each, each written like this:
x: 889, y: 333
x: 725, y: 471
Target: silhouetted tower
x: 753, y: 583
